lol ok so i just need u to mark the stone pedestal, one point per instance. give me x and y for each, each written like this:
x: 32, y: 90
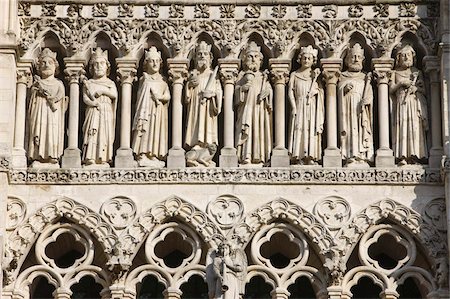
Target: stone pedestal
x: 124, y: 158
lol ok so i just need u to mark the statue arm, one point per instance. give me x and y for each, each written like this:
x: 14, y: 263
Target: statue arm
x: 165, y: 97
x: 291, y: 95
x: 111, y: 92
x: 88, y: 98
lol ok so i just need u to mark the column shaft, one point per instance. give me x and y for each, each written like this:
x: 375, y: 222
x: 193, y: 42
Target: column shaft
x: 177, y: 115
x: 383, y: 115
x: 74, y: 105
x: 125, y: 123
x: 228, y: 128
x: 280, y: 128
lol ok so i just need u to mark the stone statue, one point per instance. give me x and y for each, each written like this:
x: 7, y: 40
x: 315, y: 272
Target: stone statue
x: 355, y: 97
x: 409, y: 113
x: 150, y: 125
x: 253, y: 105
x: 47, y: 107
x: 225, y: 273
x: 306, y: 97
x: 204, y: 103
x: 100, y: 97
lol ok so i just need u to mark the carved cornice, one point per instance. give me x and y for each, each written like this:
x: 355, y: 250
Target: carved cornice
x: 229, y: 69
x: 280, y: 70
x: 293, y: 175
x: 73, y: 75
x: 383, y: 68
x: 126, y: 75
x: 178, y: 70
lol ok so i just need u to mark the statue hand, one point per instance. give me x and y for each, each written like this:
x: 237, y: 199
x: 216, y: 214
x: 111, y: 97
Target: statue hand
x: 97, y: 94
x: 246, y: 86
x: 413, y: 89
x: 264, y: 94
x: 348, y: 87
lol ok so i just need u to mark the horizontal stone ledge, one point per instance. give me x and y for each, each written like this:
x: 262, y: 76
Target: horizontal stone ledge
x: 275, y: 176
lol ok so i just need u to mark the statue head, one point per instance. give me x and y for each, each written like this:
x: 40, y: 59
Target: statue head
x: 405, y: 57
x: 203, y: 56
x: 99, y: 65
x: 307, y: 57
x: 152, y: 61
x: 47, y: 63
x: 354, y: 58
x: 253, y: 57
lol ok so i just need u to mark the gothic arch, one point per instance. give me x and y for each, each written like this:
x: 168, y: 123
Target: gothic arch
x: 24, y: 236
x: 137, y: 275
x: 317, y: 280
x: 282, y: 209
x: 92, y: 43
x: 26, y: 278
x: 182, y: 277
x: 151, y: 38
x: 134, y: 236
x: 352, y: 277
x: 270, y: 278
x: 32, y: 45
x: 344, y: 33
x: 97, y: 273
x: 426, y: 281
x: 424, y: 38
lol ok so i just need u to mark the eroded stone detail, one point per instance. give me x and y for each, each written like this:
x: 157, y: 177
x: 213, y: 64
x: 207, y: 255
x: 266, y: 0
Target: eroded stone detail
x: 16, y: 211
x: 334, y: 212
x: 120, y: 211
x: 226, y: 210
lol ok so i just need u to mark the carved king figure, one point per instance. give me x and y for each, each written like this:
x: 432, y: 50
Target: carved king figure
x: 100, y: 97
x: 204, y: 103
x: 306, y: 97
x: 46, y: 114
x: 409, y: 115
x: 355, y: 98
x: 253, y: 104
x: 150, y: 125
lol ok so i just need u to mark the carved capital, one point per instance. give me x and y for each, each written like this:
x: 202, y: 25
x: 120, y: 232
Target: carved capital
x: 126, y: 75
x: 382, y: 69
x: 331, y: 69
x: 229, y: 69
x: 432, y: 67
x: 73, y: 75
x: 178, y: 70
x: 280, y: 70
x: 382, y: 76
x: 24, y: 76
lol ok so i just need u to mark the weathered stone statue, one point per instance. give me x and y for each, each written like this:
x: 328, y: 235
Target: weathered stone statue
x: 409, y: 113
x: 226, y: 272
x: 100, y: 97
x: 355, y: 97
x: 47, y: 107
x: 150, y: 124
x: 204, y: 103
x: 253, y: 104
x: 306, y: 97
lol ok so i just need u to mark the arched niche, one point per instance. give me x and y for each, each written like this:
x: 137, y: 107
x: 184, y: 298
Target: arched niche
x: 409, y: 38
x: 369, y: 52
x: 265, y: 50
x: 305, y: 39
x: 203, y: 36
x: 259, y: 285
x: 152, y: 39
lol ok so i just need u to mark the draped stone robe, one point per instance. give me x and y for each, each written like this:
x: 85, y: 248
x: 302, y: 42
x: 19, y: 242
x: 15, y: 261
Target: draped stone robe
x: 409, y: 115
x: 254, y: 119
x: 99, y: 124
x: 150, y: 124
x: 306, y: 127
x: 46, y: 111
x: 201, y: 116
x: 356, y: 118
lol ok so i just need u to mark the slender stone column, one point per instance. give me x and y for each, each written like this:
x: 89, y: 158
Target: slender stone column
x: 172, y: 293
x: 126, y: 76
x: 19, y: 159
x: 280, y: 76
x: 72, y: 154
x: 331, y: 71
x: 62, y: 293
x: 178, y: 70
x: 389, y: 294
x: 228, y: 73
x: 280, y: 293
x: 384, y: 155
x: 436, y: 152
x: 335, y: 292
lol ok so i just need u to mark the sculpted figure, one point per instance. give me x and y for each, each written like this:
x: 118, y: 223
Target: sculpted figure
x: 306, y: 97
x: 226, y: 272
x: 253, y: 105
x: 150, y: 125
x: 204, y: 103
x: 100, y: 97
x: 47, y: 107
x: 409, y: 115
x: 355, y: 98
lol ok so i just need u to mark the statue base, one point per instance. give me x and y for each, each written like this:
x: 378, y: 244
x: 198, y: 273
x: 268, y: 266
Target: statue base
x: 71, y: 158
x: 124, y: 158
x: 176, y: 158
x: 384, y: 158
x: 435, y: 159
x: 18, y: 158
x: 332, y: 158
x: 280, y: 158
x: 228, y: 157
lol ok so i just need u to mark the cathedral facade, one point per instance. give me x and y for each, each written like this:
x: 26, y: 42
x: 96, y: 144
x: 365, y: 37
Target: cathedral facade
x: 208, y: 149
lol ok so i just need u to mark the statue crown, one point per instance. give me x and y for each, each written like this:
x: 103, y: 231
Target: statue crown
x: 309, y: 50
x: 99, y: 53
x: 203, y: 46
x: 252, y: 47
x: 356, y: 49
x: 48, y: 53
x: 152, y: 53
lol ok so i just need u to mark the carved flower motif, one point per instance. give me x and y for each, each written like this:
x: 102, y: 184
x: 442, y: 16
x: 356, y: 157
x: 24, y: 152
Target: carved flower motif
x: 176, y: 11
x: 381, y: 10
x: 151, y: 10
x: 24, y: 9
x: 278, y: 11
x: 355, y: 11
x: 49, y: 10
x: 126, y: 10
x: 253, y: 11
x: 227, y: 11
x: 74, y: 10
x: 329, y: 11
x: 304, y: 11
x: 201, y: 11
x: 407, y: 9
x: 100, y: 10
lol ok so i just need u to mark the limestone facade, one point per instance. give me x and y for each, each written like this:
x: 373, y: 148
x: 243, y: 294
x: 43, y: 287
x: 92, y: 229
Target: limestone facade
x: 183, y: 181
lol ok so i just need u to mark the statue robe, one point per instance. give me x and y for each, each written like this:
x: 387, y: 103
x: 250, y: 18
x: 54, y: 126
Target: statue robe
x: 150, y: 124
x: 46, y: 127
x: 306, y: 128
x: 254, y: 120
x: 99, y: 124
x: 409, y: 115
x: 201, y: 121
x: 356, y: 119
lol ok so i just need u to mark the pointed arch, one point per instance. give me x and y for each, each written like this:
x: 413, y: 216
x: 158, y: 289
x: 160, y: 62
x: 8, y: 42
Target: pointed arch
x: 318, y: 282
x: 137, y: 276
x: 26, y: 278
x: 422, y: 36
x: 427, y: 283
x: 47, y: 38
x: 353, y: 276
x: 97, y: 273
x: 363, y: 29
x: 173, y: 207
